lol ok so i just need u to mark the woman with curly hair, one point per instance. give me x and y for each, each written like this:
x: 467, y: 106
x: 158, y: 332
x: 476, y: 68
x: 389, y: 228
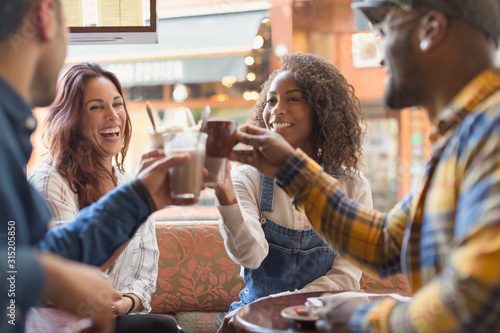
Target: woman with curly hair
x: 313, y: 107
x: 86, y: 129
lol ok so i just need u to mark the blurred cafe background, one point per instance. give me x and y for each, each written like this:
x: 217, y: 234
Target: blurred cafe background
x: 192, y: 53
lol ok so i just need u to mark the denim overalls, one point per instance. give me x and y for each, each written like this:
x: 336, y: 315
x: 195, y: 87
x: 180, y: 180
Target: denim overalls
x: 295, y: 258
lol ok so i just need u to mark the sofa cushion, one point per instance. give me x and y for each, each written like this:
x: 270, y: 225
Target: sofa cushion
x: 194, y: 270
x: 200, y: 322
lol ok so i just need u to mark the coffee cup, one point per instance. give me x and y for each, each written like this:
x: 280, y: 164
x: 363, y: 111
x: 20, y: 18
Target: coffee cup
x: 156, y: 137
x: 220, y: 142
x: 186, y: 180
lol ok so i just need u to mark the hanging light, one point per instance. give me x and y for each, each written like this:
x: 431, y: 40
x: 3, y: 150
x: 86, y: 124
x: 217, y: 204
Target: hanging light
x: 258, y: 42
x: 180, y: 93
x: 250, y: 95
x: 249, y: 61
x: 228, y: 81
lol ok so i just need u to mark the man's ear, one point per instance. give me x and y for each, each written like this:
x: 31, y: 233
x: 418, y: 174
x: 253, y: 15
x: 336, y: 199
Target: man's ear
x: 45, y: 18
x: 431, y: 30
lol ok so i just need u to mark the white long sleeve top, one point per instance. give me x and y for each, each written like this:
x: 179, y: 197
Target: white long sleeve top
x: 136, y: 269
x: 244, y: 237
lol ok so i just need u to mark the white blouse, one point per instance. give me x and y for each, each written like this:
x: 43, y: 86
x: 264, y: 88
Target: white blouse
x: 136, y: 269
x: 245, y: 240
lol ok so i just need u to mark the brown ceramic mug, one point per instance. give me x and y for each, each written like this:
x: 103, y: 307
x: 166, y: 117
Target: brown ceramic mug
x: 220, y: 142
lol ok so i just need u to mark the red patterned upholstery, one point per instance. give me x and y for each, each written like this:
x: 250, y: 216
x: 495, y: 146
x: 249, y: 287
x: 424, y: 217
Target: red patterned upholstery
x: 195, y: 272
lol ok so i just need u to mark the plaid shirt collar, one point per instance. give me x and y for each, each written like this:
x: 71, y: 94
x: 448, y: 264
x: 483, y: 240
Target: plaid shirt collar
x: 467, y: 99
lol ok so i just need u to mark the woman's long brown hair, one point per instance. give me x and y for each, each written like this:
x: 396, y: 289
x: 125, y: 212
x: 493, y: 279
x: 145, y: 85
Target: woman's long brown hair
x: 72, y: 154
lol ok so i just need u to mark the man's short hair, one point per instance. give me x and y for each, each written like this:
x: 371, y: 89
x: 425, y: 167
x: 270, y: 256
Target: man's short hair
x: 11, y: 15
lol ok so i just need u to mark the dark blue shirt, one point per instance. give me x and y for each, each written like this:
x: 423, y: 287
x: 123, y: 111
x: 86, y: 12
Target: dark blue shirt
x: 95, y: 234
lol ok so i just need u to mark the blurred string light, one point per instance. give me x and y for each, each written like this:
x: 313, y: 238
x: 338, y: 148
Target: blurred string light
x: 219, y: 97
x: 280, y: 50
x: 228, y: 81
x: 250, y: 95
x: 258, y: 42
x: 180, y: 93
x: 251, y: 76
x: 249, y: 61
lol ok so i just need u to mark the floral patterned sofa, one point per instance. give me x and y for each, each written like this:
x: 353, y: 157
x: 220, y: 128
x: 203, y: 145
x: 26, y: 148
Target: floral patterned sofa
x: 197, y: 281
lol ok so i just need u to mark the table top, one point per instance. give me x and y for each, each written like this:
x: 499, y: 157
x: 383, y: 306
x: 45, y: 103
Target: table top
x: 264, y: 315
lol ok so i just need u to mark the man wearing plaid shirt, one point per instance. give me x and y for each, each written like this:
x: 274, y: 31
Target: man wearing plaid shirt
x: 445, y: 236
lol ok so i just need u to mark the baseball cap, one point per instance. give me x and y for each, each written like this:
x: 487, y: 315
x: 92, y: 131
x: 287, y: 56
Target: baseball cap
x: 484, y: 14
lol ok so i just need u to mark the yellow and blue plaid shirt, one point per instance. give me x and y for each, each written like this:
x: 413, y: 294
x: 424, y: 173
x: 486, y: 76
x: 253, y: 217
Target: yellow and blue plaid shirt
x: 444, y: 237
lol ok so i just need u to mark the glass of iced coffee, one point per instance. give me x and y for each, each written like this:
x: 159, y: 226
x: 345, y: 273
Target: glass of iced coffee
x: 186, y: 180
x: 220, y: 142
x: 156, y: 137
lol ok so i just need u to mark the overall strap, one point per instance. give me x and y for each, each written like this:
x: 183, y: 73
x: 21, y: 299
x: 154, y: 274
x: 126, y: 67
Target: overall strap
x: 267, y: 191
x: 267, y: 194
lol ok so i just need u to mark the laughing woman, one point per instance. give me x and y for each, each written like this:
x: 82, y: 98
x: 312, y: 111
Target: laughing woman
x: 313, y: 107
x: 88, y: 127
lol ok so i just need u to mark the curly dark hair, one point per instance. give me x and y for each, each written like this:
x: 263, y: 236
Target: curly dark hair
x: 338, y: 126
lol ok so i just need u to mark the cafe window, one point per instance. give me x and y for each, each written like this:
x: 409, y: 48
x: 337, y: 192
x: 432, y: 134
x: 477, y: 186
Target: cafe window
x: 111, y: 21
